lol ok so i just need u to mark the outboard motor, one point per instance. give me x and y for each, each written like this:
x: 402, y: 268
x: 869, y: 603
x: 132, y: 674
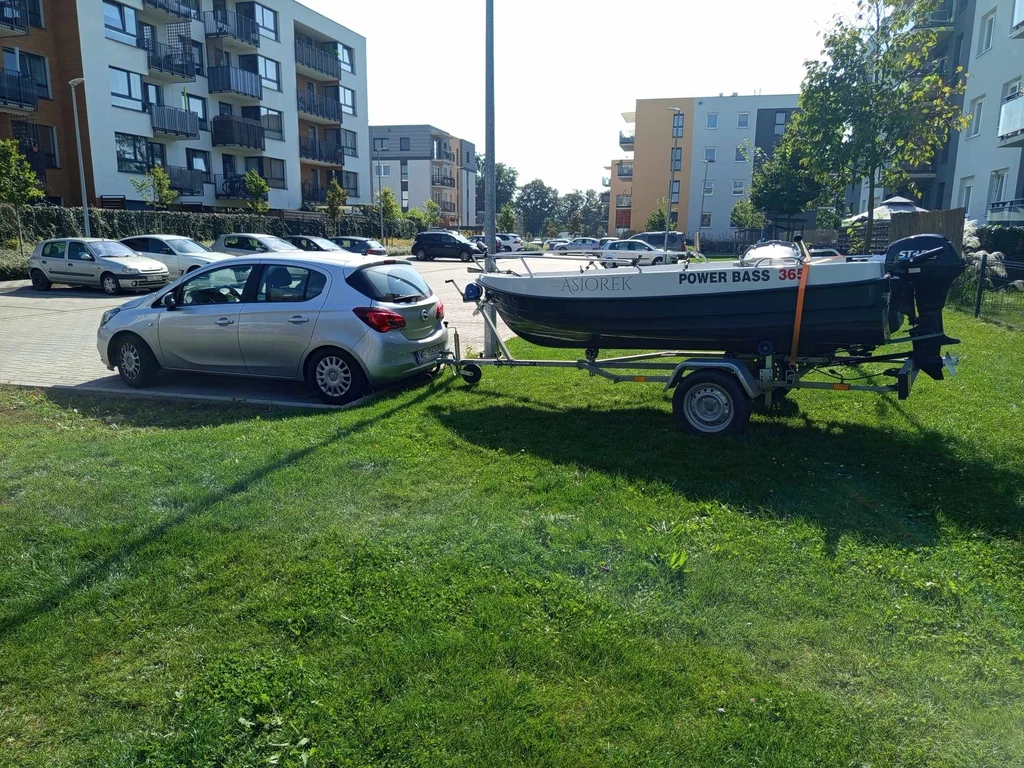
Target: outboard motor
x: 924, y: 268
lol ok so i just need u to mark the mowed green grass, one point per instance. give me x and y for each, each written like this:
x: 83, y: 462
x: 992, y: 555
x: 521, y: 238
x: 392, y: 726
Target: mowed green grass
x: 538, y: 571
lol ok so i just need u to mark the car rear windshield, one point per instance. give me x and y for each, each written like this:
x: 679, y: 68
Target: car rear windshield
x: 184, y: 245
x: 390, y: 282
x: 111, y: 248
x: 324, y: 243
x: 276, y: 243
x: 375, y: 245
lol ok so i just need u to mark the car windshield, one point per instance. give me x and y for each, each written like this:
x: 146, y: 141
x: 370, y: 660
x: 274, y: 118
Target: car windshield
x: 375, y: 245
x: 390, y: 282
x: 324, y: 243
x: 276, y: 243
x: 111, y: 248
x: 184, y: 245
x: 460, y: 238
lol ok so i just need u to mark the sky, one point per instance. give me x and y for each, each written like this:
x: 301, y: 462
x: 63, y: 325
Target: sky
x: 565, y: 70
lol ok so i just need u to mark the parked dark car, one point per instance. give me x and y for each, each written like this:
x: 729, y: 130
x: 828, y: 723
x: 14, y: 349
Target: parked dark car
x: 432, y: 245
x: 677, y: 241
x: 365, y: 245
x: 310, y: 243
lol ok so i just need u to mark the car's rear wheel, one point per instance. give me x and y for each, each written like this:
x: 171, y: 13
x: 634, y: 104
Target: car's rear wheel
x: 467, y: 256
x: 335, y: 377
x: 421, y: 255
x: 109, y: 283
x: 658, y: 261
x: 40, y: 281
x: 135, y: 361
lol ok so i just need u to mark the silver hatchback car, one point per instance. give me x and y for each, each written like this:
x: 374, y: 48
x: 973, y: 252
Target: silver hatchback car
x: 343, y: 323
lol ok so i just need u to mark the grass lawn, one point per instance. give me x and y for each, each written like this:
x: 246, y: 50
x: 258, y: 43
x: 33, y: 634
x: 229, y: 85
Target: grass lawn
x: 538, y: 571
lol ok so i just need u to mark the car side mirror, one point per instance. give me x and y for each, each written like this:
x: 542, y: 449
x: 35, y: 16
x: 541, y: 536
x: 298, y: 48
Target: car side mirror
x: 169, y: 302
x: 88, y: 257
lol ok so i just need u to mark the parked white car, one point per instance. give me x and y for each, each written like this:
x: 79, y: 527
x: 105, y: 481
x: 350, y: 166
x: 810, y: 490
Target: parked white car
x: 580, y: 244
x: 632, y: 249
x: 179, y: 254
x: 94, y: 262
x: 245, y: 243
x: 510, y: 241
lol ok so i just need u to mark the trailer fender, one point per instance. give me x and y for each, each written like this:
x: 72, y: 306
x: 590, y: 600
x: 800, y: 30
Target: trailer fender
x: 735, y: 367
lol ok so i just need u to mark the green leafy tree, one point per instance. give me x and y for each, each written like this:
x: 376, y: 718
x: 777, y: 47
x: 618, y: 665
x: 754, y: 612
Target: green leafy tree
x: 507, y: 218
x: 418, y: 218
x: 432, y: 213
x: 595, y: 221
x: 745, y: 216
x: 505, y: 180
x: 392, y: 211
x: 155, y: 188
x: 19, y: 184
x: 874, y: 106
x: 575, y: 223
x: 551, y: 228
x: 783, y: 185
x: 656, y: 221
x: 536, y: 203
x: 336, y: 199
x: 257, y: 189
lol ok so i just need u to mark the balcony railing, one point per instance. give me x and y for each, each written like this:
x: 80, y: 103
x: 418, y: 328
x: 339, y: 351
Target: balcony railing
x: 13, y: 18
x: 232, y: 187
x: 321, y: 151
x: 924, y: 170
x: 185, y: 181
x: 173, y: 60
x: 447, y: 207
x: 228, y: 24
x: 18, y: 91
x: 442, y: 154
x: 443, y: 181
x: 606, y: 181
x: 606, y: 198
x: 231, y: 131
x: 183, y: 9
x: 1017, y: 28
x: 626, y: 139
x: 323, y: 61
x: 172, y: 121
x: 224, y: 79
x: 1011, y: 122
x: 1006, y: 212
x: 319, y: 106
x: 313, y: 193
x: 942, y: 16
x: 623, y: 201
x: 625, y: 171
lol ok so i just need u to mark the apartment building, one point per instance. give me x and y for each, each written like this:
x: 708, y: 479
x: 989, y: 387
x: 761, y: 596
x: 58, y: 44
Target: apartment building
x: 208, y: 89
x: 708, y: 142
x: 420, y: 163
x: 982, y: 168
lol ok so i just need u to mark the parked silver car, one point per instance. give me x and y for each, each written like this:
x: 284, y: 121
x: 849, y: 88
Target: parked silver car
x: 342, y: 323
x: 644, y: 253
x: 245, y: 243
x: 178, y: 254
x: 93, y: 262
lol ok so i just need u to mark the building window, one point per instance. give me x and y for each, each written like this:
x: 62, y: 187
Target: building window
x: 197, y: 56
x: 270, y: 168
x: 348, y: 142
x: 738, y: 187
x: 405, y: 200
x: 709, y: 188
x: 743, y: 120
x: 29, y: 64
x: 966, y: 189
x: 152, y: 94
x: 705, y: 221
x: 132, y: 153
x: 405, y: 170
x: 196, y: 104
x: 741, y: 154
x: 273, y: 123
x: 1011, y: 89
x: 348, y: 100
x: 269, y: 71
x: 120, y: 22
x: 35, y: 13
x: 199, y: 160
x: 976, y: 110
x: 383, y: 169
x: 266, y: 20
x: 404, y: 144
x: 780, y: 123
x: 997, y: 186
x: 157, y: 154
x: 675, y: 191
x: 346, y: 55
x: 677, y: 125
x: 126, y: 89
x: 350, y: 181
x: 381, y: 145
x: 712, y: 121
x: 677, y: 158
x: 710, y: 154
x: 985, y: 34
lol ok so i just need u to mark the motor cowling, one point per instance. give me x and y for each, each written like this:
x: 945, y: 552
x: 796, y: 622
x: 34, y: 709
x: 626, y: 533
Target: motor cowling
x: 923, y: 268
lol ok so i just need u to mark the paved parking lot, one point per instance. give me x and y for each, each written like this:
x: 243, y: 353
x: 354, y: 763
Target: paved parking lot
x: 48, y: 339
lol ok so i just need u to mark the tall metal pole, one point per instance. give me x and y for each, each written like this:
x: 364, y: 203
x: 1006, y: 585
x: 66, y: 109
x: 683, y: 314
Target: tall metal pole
x: 81, y: 165
x: 703, y: 190
x: 380, y: 193
x: 490, y: 188
x: 672, y: 177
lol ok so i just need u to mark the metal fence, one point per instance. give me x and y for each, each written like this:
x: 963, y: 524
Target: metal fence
x: 992, y: 291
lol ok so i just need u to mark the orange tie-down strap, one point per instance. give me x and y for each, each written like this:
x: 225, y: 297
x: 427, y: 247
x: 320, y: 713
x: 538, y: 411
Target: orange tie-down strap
x: 801, y: 292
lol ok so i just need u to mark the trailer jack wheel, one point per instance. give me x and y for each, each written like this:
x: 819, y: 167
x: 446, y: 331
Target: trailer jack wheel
x: 710, y: 402
x: 472, y: 373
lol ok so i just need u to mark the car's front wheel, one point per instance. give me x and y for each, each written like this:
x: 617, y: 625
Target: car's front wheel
x: 467, y: 256
x: 135, y: 361
x: 110, y: 285
x: 421, y: 255
x: 40, y: 281
x: 335, y: 377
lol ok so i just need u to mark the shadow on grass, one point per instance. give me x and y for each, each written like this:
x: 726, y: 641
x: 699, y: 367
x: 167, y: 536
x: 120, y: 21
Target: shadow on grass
x: 886, y: 486
x: 98, y: 570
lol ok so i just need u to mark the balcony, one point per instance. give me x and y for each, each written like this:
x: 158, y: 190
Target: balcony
x: 1017, y: 30
x: 13, y: 18
x: 924, y: 171
x: 1011, y: 122
x: 626, y: 139
x: 623, y: 201
x: 624, y: 171
x: 447, y: 207
x: 314, y: 193
x: 231, y: 187
x: 232, y: 29
x: 231, y: 131
x: 179, y: 9
x: 443, y: 181
x: 173, y: 122
x: 941, y: 19
x: 319, y: 151
x: 606, y: 198
x: 224, y: 79
x: 185, y: 181
x: 315, y: 62
x: 443, y: 155
x: 606, y: 181
x: 18, y: 92
x: 172, y: 63
x: 1008, y: 213
x: 318, y: 108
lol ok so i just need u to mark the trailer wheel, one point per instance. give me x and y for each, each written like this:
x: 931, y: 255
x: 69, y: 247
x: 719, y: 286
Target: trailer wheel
x: 472, y: 373
x: 711, y: 403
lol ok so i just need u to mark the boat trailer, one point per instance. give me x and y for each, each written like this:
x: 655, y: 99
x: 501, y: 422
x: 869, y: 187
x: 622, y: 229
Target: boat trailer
x: 715, y: 392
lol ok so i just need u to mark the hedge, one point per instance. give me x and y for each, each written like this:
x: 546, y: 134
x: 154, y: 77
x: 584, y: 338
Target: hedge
x: 1006, y: 240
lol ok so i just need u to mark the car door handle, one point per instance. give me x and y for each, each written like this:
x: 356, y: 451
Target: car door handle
x: 225, y: 321
x: 298, y: 320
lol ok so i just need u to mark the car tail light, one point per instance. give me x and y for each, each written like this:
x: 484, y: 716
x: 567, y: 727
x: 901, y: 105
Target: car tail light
x: 378, y: 252
x: 382, y: 320
x: 440, y: 310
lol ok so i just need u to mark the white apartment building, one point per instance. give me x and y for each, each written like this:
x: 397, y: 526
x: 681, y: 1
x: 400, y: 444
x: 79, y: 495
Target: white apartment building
x: 212, y: 88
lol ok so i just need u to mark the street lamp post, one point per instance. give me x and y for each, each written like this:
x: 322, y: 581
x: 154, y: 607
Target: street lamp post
x: 490, y: 189
x: 380, y: 189
x: 703, y: 193
x: 81, y: 165
x: 672, y: 175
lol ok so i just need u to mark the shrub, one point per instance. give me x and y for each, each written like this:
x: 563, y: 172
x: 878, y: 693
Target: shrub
x: 13, y: 266
x: 1008, y: 240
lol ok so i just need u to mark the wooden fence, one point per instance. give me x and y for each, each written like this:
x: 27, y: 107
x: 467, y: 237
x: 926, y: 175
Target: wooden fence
x: 949, y: 223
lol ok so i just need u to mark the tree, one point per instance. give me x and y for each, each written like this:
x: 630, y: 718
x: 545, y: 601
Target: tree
x: 392, y: 212
x: 19, y: 184
x: 575, y: 223
x: 536, y: 203
x: 746, y: 216
x: 874, y: 107
x: 551, y: 228
x: 336, y: 198
x: 783, y: 185
x: 656, y: 222
x: 595, y: 221
x: 155, y: 188
x: 432, y: 213
x: 505, y: 179
x: 418, y: 218
x: 507, y: 218
x: 257, y: 189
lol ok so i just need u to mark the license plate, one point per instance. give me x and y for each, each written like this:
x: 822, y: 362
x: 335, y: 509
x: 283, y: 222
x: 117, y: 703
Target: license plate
x: 430, y: 353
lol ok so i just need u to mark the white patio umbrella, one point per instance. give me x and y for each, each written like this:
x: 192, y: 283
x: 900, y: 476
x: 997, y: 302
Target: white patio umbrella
x: 885, y: 211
